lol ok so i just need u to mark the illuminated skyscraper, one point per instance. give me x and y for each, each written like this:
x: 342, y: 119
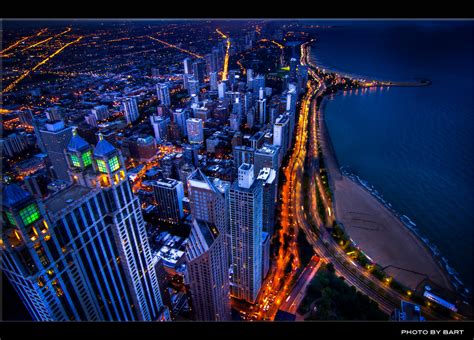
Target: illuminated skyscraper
x: 195, y: 129
x: 83, y: 253
x: 213, y: 78
x: 208, y: 272
x: 188, y: 66
x: 245, y: 215
x: 163, y: 92
x: 130, y: 109
x: 169, y: 194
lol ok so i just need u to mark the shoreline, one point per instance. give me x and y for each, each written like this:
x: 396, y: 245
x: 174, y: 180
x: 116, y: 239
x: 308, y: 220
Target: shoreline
x: 437, y: 272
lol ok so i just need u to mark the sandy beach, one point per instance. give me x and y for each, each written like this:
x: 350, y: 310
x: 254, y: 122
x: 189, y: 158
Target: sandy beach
x: 377, y: 231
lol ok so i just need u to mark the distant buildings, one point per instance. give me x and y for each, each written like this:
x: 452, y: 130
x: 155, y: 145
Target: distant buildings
x: 195, y: 129
x: 130, y: 109
x: 14, y: 144
x: 169, y: 194
x: 163, y: 92
x: 160, y: 128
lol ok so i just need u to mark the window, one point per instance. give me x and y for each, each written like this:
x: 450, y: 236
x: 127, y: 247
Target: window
x: 114, y: 163
x: 30, y: 214
x: 102, y: 166
x: 75, y: 160
x: 86, y: 158
x: 10, y: 218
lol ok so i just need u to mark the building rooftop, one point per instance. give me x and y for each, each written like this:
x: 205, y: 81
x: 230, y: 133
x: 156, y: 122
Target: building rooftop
x: 65, y: 197
x: 103, y: 148
x: 77, y: 143
x: 13, y: 194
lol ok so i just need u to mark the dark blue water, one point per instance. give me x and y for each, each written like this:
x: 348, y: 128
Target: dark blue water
x: 414, y: 145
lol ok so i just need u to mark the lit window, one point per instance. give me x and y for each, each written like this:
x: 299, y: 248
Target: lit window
x: 29, y: 214
x: 86, y: 158
x: 75, y: 160
x: 10, y: 218
x: 114, y: 163
x: 102, y: 166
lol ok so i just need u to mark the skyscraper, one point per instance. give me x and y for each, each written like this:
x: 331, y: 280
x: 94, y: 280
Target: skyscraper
x: 268, y: 156
x: 208, y: 272
x: 160, y: 127
x: 187, y: 62
x: 269, y: 183
x: 262, y: 107
x: 179, y: 117
x: 130, y: 109
x: 88, y: 258
x: 213, y: 78
x: 207, y: 199
x: 222, y: 89
x: 55, y: 139
x: 193, y: 87
x: 199, y: 70
x: 169, y: 194
x: 281, y: 133
x: 293, y: 65
x: 195, y: 129
x: 245, y: 215
x: 163, y: 92
x: 243, y: 154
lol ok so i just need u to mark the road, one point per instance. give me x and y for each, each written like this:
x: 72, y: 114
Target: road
x: 298, y: 292
x: 323, y: 243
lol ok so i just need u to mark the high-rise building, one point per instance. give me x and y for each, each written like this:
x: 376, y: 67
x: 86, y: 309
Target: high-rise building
x: 163, y: 92
x: 213, y: 79
x: 293, y: 65
x: 100, y: 112
x: 55, y: 138
x: 256, y: 140
x: 179, y: 117
x: 207, y: 269
x: 26, y: 117
x: 194, y: 87
x: 269, y: 182
x: 266, y: 238
x: 54, y: 113
x: 258, y: 83
x: 14, y: 143
x: 160, y: 127
x: 188, y: 66
x: 88, y: 258
x: 249, y: 76
x: 267, y: 156
x: 191, y: 154
x: 211, y: 63
x: 186, y: 79
x: 221, y: 89
x: 195, y: 129
x: 262, y: 107
x: 281, y: 133
x: 207, y: 199
x: 199, y: 70
x: 169, y: 194
x: 245, y: 216
x: 130, y: 109
x: 243, y: 154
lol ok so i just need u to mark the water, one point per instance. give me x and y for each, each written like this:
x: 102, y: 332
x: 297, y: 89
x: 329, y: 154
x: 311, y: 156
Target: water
x: 414, y: 145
